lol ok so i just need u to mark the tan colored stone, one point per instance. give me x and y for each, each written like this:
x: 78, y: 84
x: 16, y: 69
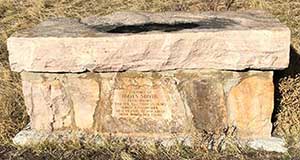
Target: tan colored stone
x: 204, y: 95
x: 56, y: 101
x: 151, y: 104
x: 250, y: 105
x: 153, y: 42
x: 85, y: 95
x: 143, y: 104
x: 41, y: 117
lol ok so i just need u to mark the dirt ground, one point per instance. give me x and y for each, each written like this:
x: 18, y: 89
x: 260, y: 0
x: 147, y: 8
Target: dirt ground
x: 20, y: 14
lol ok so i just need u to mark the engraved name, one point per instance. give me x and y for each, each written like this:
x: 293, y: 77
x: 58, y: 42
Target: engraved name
x: 142, y: 102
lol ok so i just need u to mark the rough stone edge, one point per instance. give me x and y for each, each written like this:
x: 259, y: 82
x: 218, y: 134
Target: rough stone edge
x: 283, y: 27
x: 272, y: 144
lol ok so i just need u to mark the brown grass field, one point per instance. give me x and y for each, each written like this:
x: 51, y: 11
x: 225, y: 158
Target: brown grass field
x: 20, y: 14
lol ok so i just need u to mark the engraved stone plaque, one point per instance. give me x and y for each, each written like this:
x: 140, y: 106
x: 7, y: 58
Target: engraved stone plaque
x: 142, y: 103
x: 141, y: 98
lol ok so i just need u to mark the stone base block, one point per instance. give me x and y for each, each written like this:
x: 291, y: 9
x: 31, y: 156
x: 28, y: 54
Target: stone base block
x: 272, y: 144
x: 29, y: 136
x: 32, y: 137
x: 151, y: 104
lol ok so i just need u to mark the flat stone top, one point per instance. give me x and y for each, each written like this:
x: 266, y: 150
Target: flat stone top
x: 146, y: 23
x: 142, y: 41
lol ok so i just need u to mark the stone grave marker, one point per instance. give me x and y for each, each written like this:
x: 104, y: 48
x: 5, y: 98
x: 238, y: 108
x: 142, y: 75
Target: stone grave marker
x: 153, y: 75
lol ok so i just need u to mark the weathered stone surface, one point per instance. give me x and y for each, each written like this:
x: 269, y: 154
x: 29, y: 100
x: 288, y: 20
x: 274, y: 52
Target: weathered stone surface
x: 153, y: 42
x: 204, y: 94
x: 272, y: 144
x: 143, y: 103
x: 60, y: 101
x: 248, y: 106
x: 151, y: 104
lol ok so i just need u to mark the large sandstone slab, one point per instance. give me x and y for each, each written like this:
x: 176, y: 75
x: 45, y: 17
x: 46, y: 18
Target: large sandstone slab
x: 151, y: 104
x: 153, y: 42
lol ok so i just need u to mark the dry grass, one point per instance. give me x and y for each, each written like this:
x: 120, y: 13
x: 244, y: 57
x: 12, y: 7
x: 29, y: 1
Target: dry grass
x: 287, y: 118
x: 122, y: 150
x: 19, y: 14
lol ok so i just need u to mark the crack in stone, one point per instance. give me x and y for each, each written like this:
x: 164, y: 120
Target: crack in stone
x: 70, y: 103
x: 53, y: 118
x: 97, y: 119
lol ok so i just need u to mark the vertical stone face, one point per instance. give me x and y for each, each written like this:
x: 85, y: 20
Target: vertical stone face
x: 45, y: 100
x: 40, y: 116
x: 204, y: 94
x: 57, y: 101
x: 143, y: 103
x: 84, y: 95
x: 158, y: 104
x: 251, y: 105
